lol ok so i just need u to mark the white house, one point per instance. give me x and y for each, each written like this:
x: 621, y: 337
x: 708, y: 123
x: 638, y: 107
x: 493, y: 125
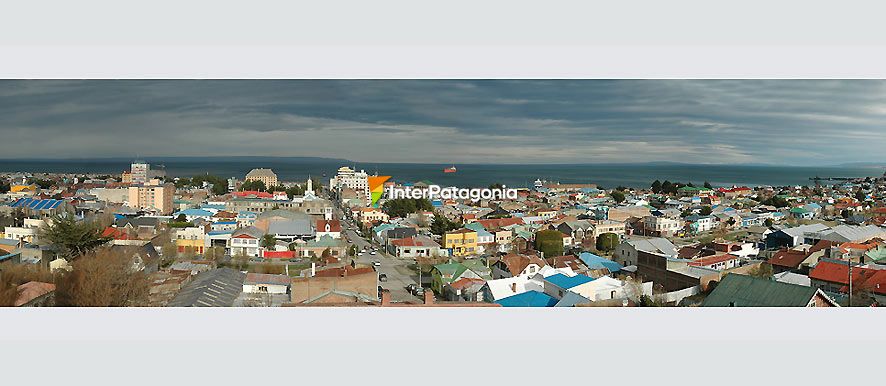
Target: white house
x: 246, y: 241
x: 260, y: 283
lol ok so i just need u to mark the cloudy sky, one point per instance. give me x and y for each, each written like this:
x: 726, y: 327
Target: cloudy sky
x: 795, y: 122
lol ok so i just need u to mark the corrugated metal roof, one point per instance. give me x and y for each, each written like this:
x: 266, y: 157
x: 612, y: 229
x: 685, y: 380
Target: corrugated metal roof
x: 747, y: 291
x: 215, y: 288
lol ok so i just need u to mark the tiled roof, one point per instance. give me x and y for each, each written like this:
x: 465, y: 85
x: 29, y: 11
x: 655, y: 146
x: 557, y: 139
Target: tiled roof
x: 32, y: 290
x: 517, y: 263
x: 788, y: 258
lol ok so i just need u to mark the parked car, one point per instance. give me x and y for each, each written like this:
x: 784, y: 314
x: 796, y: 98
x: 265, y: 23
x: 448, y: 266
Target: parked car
x: 376, y: 263
x: 419, y: 291
x: 372, y: 253
x: 382, y: 277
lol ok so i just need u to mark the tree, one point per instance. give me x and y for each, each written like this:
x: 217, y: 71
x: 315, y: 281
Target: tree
x: 327, y: 253
x: 607, y: 242
x: 253, y: 185
x: 295, y: 190
x: 768, y: 222
x: 400, y: 207
x: 181, y: 218
x: 441, y: 224
x: 549, y: 242
x: 14, y: 275
x: 668, y: 187
x: 708, y: 185
x: 103, y: 278
x: 268, y: 241
x: 860, y: 196
x: 70, y: 238
x: 706, y: 210
x: 656, y: 186
x: 764, y: 271
x: 619, y: 197
x: 776, y: 201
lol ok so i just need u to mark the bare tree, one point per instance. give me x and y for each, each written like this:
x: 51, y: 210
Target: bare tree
x: 13, y: 276
x: 103, y: 278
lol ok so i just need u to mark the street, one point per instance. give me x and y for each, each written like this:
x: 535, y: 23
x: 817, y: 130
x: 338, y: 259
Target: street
x: 397, y: 271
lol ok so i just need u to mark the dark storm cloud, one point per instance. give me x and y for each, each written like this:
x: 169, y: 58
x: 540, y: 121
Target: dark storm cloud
x: 721, y: 121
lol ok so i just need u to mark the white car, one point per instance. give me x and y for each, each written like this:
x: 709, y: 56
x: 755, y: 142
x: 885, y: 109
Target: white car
x: 372, y: 253
x: 360, y: 254
x: 376, y: 263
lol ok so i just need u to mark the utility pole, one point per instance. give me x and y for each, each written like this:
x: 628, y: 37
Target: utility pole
x: 850, y: 281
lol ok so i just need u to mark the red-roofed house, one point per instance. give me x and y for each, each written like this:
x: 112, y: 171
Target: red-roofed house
x: 718, y: 262
x: 497, y: 223
x: 833, y: 276
x: 331, y: 228
x: 787, y: 260
x: 117, y: 234
x: 253, y: 194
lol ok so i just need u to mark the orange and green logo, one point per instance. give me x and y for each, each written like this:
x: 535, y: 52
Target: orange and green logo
x: 377, y: 188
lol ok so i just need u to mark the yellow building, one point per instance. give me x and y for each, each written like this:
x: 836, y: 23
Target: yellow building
x: 23, y: 189
x: 267, y: 176
x: 190, y: 240
x: 461, y: 242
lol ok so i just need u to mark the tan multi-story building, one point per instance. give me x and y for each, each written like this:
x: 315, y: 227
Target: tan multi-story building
x: 608, y: 226
x: 152, y: 197
x: 266, y: 176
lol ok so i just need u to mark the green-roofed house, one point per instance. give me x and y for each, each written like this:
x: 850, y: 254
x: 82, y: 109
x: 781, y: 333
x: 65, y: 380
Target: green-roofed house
x: 748, y: 291
x: 690, y: 191
x: 443, y: 274
x: 800, y: 212
x: 337, y: 247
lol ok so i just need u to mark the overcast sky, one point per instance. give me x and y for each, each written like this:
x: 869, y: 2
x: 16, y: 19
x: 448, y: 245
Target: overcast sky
x: 794, y: 122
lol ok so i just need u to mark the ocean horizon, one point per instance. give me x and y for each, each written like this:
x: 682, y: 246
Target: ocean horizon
x: 468, y: 175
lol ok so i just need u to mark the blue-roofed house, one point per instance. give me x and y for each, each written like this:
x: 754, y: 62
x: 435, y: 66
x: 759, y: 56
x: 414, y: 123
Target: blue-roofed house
x: 224, y: 226
x: 528, y: 299
x: 246, y: 219
x: 558, y: 285
x: 598, y: 263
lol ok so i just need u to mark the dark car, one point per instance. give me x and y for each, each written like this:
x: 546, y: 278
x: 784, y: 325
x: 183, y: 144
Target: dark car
x: 382, y: 277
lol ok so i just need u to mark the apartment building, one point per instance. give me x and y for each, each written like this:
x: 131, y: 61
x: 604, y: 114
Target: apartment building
x: 152, y: 197
x: 348, y: 178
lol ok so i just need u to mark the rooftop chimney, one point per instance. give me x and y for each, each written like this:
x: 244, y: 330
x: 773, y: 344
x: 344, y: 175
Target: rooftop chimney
x: 429, y: 297
x: 513, y: 287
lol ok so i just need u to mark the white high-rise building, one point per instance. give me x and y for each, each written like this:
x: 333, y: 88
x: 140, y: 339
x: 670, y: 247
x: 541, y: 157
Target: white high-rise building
x: 140, y: 170
x: 349, y: 178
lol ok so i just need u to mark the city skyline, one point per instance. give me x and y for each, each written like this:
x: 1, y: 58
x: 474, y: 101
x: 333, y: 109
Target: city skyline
x: 449, y: 121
